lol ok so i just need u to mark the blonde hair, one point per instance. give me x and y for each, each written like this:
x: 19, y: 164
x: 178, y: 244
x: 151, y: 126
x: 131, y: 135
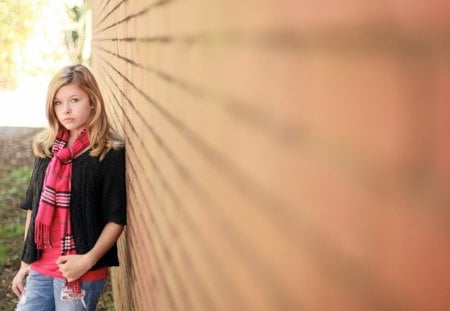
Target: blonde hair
x: 101, y: 135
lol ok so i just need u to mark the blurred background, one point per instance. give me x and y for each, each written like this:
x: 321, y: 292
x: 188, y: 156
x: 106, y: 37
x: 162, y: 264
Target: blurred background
x: 37, y: 37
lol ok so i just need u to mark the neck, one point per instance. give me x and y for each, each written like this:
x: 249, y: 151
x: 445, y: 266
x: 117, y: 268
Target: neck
x: 73, y: 136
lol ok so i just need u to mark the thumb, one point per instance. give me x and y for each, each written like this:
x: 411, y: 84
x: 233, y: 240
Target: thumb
x: 61, y: 259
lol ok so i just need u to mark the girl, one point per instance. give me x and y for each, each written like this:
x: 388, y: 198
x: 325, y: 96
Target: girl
x: 76, y: 200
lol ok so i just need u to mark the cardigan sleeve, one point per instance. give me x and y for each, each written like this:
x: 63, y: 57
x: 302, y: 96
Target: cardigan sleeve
x: 27, y: 202
x: 113, y: 191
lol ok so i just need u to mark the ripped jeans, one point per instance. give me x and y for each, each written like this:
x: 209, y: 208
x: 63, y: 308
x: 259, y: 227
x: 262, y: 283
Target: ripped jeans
x: 42, y: 293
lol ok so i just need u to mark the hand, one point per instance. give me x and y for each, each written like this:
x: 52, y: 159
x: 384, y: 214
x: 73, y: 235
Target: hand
x: 73, y: 267
x: 17, y: 282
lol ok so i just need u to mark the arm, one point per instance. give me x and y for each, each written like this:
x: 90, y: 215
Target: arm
x: 73, y: 267
x: 27, y: 224
x: 17, y: 283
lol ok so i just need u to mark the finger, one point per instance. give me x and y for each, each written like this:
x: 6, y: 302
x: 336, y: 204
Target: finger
x: 61, y: 259
x: 18, y: 290
x: 15, y: 291
x: 62, y: 270
x: 21, y: 289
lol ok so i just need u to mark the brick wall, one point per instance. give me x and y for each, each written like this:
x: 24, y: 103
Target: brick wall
x: 281, y: 155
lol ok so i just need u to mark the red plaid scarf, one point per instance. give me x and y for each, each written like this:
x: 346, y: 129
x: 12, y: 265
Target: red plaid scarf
x: 56, y: 194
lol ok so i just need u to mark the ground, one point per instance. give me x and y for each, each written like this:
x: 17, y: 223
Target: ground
x: 15, y: 169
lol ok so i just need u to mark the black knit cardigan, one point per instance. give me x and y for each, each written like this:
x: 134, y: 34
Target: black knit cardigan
x: 98, y: 196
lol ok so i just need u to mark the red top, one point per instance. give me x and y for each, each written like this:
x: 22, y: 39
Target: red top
x: 46, y: 264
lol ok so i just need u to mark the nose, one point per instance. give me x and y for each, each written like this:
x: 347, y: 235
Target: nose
x: 66, y: 108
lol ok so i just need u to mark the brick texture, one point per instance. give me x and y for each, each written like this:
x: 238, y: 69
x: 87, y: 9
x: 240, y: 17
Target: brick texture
x: 281, y: 155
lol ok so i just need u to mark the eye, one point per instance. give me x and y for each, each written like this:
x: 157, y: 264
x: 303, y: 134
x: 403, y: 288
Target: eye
x: 74, y: 100
x: 56, y: 103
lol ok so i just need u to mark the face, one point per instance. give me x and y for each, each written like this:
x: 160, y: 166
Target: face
x: 72, y: 107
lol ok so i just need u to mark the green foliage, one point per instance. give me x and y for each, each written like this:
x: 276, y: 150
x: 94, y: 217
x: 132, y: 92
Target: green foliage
x: 108, y: 301
x: 8, y: 232
x: 20, y: 175
x: 77, y: 13
x: 4, y: 252
x: 14, y: 178
x: 16, y: 21
x: 15, y: 181
x: 12, y: 230
x: 74, y: 38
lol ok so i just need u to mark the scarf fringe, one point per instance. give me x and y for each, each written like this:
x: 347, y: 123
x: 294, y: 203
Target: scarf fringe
x: 42, y: 236
x: 73, y: 289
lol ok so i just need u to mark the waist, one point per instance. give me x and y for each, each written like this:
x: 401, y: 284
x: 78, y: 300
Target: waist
x: 46, y: 265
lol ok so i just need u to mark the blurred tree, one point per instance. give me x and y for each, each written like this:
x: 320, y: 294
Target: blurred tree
x: 76, y: 36
x: 16, y: 22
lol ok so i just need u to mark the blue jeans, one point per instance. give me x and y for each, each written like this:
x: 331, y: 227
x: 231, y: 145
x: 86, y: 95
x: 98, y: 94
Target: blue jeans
x: 42, y: 293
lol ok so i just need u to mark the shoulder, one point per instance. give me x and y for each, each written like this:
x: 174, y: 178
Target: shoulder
x: 115, y: 157
x: 40, y: 162
x: 115, y: 153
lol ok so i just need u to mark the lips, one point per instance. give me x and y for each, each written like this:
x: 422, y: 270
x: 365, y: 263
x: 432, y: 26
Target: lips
x: 68, y: 120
